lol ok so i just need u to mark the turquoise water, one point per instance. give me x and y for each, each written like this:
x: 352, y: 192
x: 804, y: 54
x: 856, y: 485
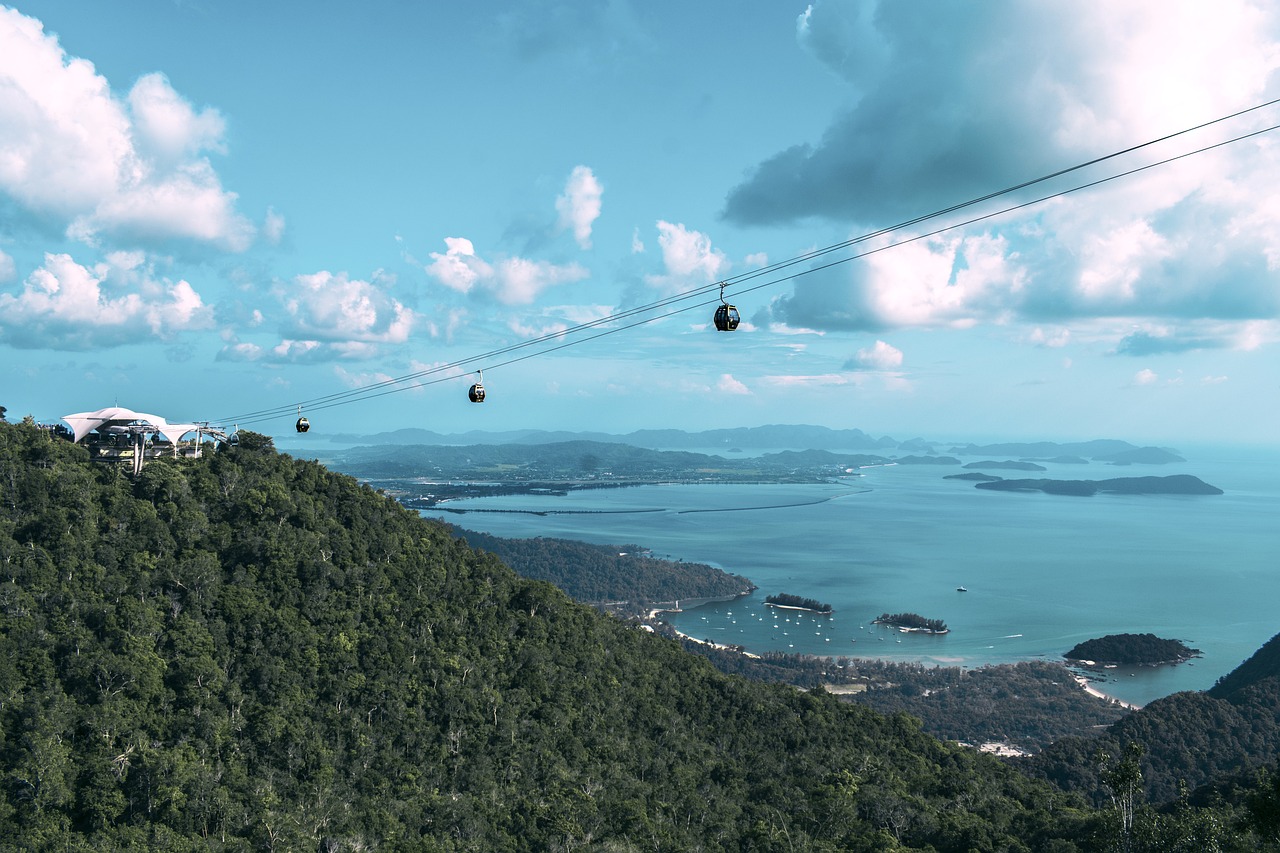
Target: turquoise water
x: 1042, y: 572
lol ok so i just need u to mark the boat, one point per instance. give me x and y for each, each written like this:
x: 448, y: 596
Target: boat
x: 961, y: 589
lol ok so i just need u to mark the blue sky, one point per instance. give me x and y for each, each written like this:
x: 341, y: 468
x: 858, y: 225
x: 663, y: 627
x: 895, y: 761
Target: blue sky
x: 209, y: 209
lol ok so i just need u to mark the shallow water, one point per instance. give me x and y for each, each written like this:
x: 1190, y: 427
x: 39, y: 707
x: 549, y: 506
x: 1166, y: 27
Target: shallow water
x: 1042, y: 572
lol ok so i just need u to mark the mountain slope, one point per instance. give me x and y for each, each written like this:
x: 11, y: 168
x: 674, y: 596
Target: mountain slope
x: 250, y: 652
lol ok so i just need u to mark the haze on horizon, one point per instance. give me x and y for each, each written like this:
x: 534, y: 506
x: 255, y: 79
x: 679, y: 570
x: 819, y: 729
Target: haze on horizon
x: 208, y: 210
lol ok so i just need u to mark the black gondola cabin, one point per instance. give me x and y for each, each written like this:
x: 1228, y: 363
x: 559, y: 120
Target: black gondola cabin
x: 727, y: 318
x: 302, y: 425
x: 476, y: 393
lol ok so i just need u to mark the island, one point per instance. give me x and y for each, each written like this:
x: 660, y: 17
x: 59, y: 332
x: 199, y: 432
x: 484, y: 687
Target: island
x: 1131, y: 650
x: 974, y: 475
x: 1177, y: 484
x: 1142, y: 456
x: 786, y: 601
x: 1008, y: 464
x: 912, y: 623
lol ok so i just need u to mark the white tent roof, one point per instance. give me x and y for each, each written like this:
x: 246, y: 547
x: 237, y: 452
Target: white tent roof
x: 84, y: 423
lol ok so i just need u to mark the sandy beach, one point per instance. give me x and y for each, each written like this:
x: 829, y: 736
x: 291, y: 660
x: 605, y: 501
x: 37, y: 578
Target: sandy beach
x: 1093, y: 691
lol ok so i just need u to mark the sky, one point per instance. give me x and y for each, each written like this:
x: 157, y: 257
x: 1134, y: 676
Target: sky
x: 233, y: 211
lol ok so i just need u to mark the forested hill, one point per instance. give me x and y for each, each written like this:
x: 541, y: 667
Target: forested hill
x: 1262, y: 665
x: 248, y: 652
x: 1188, y: 739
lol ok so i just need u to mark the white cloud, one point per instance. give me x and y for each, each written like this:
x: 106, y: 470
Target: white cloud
x: 938, y: 282
x: 64, y: 305
x: 1145, y: 377
x: 166, y: 127
x: 579, y: 205
x: 7, y: 268
x: 1199, y: 239
x: 329, y: 307
x: 459, y: 268
x: 513, y: 281
x: 559, y: 318
x: 728, y: 385
x: 688, y: 258
x: 290, y: 351
x: 881, y: 356
x: 1053, y: 338
x: 519, y: 281
x: 273, y: 227
x: 812, y: 380
x: 444, y: 322
x: 74, y: 153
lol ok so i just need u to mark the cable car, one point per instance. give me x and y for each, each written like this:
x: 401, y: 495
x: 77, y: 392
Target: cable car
x: 476, y: 393
x: 727, y: 318
x: 302, y: 425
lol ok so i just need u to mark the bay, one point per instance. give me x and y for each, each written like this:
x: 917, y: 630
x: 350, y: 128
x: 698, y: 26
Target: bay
x: 1042, y: 572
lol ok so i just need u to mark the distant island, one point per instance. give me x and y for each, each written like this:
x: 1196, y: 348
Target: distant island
x: 974, y: 475
x: 1177, y: 484
x: 1101, y: 450
x: 912, y: 622
x: 1008, y: 464
x: 795, y: 602
x: 1131, y: 650
x: 927, y: 460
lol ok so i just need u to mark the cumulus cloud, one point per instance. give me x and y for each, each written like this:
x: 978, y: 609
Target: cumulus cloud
x: 326, y: 306
x: 942, y: 111
x: 1073, y: 81
x: 65, y: 305
x: 728, y: 385
x: 76, y: 154
x: 688, y: 258
x: 938, y: 282
x: 290, y: 351
x: 881, y: 356
x: 512, y: 281
x: 1145, y: 376
x: 579, y: 204
x: 7, y: 267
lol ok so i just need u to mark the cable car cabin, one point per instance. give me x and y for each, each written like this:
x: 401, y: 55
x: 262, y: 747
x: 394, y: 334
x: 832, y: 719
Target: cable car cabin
x: 727, y: 318
x: 476, y: 394
x: 302, y: 425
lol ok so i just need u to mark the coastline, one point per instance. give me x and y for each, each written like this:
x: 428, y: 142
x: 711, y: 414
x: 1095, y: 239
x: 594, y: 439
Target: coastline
x: 1088, y: 687
x: 1082, y: 681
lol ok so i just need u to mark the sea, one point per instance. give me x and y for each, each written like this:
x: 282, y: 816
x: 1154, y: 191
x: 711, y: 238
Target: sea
x: 1015, y: 576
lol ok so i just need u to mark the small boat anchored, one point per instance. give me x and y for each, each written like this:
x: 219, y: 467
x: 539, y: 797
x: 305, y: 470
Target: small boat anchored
x: 961, y: 589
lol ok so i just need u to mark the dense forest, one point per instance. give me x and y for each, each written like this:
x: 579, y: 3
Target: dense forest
x: 249, y: 652
x: 912, y: 622
x: 1187, y: 739
x: 1132, y: 650
x: 786, y: 599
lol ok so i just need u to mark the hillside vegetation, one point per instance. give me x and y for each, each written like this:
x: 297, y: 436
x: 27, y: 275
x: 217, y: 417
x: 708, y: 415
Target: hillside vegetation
x: 248, y: 652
